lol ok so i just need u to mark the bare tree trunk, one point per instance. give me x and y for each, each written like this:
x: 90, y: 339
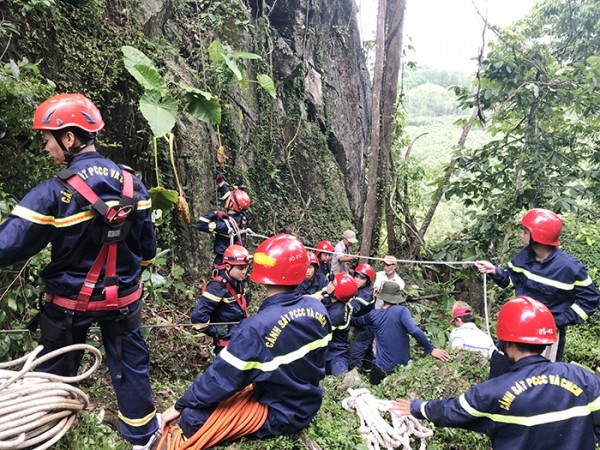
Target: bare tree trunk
x: 393, y: 50
x: 371, y: 200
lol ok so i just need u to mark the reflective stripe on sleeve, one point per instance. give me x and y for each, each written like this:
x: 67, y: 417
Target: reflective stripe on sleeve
x: 209, y: 296
x: 269, y: 366
x: 62, y: 222
x: 579, y: 311
x: 548, y: 281
x: 147, y: 262
x: 423, y: 410
x: 531, y: 421
x: 144, y: 204
x: 137, y: 422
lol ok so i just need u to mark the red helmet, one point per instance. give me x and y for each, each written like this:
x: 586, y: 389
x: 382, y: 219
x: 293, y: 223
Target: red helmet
x: 324, y: 245
x: 68, y: 110
x: 312, y: 259
x: 236, y: 255
x: 238, y: 200
x: 366, y: 270
x: 526, y: 320
x: 280, y: 260
x: 544, y: 226
x: 345, y: 287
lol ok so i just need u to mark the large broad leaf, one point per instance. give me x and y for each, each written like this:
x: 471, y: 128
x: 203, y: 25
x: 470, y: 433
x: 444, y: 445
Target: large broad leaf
x: 160, y: 111
x: 202, y: 105
x: 162, y: 198
x: 233, y: 67
x: 142, y: 68
x: 244, y: 55
x: 267, y: 84
x: 216, y: 52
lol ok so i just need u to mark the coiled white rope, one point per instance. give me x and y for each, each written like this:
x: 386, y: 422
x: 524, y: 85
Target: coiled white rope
x: 377, y: 431
x: 37, y: 407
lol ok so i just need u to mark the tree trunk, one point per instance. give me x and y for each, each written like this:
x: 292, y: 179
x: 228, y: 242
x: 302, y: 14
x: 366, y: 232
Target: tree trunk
x: 371, y: 201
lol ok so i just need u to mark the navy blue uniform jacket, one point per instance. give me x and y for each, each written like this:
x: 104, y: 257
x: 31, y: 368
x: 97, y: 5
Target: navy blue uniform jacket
x: 537, y: 405
x: 560, y: 282
x: 392, y: 327
x: 281, y: 351
x: 49, y: 213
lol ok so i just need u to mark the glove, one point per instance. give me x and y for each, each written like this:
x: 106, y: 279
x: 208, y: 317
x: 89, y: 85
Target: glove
x: 218, y: 177
x: 221, y: 214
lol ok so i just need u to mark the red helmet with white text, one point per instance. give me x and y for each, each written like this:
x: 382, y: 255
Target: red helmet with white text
x: 345, y: 287
x: 543, y: 225
x: 526, y: 320
x: 366, y: 270
x: 236, y: 255
x: 280, y: 260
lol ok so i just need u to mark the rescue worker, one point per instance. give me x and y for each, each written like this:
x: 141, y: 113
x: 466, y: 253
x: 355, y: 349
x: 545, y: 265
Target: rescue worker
x: 467, y: 336
x: 391, y: 325
x: 361, y: 351
x: 543, y: 271
x: 315, y: 283
x: 224, y: 299
x: 280, y: 350
x: 340, y: 312
x: 323, y: 252
x: 229, y: 226
x: 89, y: 279
x: 538, y: 404
x: 341, y: 255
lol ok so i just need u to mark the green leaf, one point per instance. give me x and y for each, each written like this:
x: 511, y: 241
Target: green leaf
x: 135, y: 60
x: 202, y: 105
x: 233, y: 67
x: 267, y: 84
x: 162, y: 198
x: 216, y: 52
x: 160, y: 111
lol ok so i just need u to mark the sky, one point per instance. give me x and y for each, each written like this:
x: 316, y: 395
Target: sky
x: 446, y: 34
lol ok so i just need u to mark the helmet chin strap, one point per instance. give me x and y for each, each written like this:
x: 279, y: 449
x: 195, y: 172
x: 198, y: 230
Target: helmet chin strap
x: 72, y: 152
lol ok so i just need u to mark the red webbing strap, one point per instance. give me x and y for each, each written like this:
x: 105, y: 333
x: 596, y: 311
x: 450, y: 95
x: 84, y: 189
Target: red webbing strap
x: 239, y: 299
x: 111, y: 291
x: 86, y: 192
x: 91, y: 279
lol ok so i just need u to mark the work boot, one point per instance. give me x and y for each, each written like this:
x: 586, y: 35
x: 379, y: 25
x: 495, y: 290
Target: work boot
x: 152, y: 443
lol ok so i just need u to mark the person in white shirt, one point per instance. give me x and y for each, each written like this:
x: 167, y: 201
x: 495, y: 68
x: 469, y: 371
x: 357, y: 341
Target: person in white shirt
x: 387, y: 274
x: 467, y: 336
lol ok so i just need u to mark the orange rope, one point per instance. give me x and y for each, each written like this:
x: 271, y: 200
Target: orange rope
x: 239, y: 415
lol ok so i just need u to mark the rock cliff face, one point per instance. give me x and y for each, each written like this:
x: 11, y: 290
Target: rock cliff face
x: 301, y: 154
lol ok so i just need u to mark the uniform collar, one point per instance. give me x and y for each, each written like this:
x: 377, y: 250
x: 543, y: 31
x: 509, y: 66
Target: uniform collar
x: 85, y: 156
x: 282, y: 297
x: 528, y: 360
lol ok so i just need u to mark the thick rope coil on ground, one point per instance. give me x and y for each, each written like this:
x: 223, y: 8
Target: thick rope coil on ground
x: 377, y: 431
x: 36, y: 407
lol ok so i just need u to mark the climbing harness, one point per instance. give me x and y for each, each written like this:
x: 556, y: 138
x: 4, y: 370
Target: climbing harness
x: 113, y: 228
x: 38, y: 408
x: 239, y: 415
x: 377, y: 432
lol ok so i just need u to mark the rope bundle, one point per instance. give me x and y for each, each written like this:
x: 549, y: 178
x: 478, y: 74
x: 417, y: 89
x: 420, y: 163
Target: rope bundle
x: 36, y: 407
x: 376, y: 430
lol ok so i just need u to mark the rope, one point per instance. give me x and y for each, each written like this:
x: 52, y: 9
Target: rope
x: 239, y: 415
x: 37, y: 407
x: 377, y: 432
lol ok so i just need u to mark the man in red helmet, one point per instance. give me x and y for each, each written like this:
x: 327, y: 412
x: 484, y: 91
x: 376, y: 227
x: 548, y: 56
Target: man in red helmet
x: 537, y: 404
x: 324, y: 253
x: 98, y: 254
x: 314, y: 284
x: 361, y: 351
x: 223, y: 303
x: 340, y: 310
x: 229, y: 225
x: 543, y: 271
x: 280, y: 351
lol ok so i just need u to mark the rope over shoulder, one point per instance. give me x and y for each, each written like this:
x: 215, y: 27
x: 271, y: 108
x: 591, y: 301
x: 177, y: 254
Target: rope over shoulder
x: 37, y: 407
x: 377, y: 432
